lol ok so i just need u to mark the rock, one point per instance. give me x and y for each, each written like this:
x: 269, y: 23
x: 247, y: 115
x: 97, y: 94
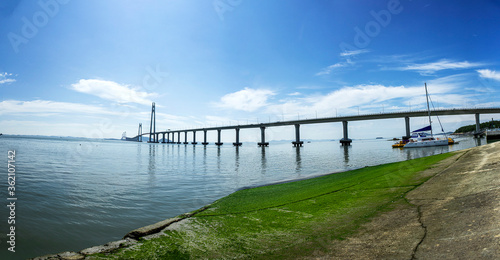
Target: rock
x: 108, y: 247
x: 70, y: 256
x: 62, y: 256
x: 151, y: 229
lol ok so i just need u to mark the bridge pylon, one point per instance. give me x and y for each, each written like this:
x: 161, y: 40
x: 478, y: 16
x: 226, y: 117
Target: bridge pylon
x: 152, y: 125
x: 139, y: 133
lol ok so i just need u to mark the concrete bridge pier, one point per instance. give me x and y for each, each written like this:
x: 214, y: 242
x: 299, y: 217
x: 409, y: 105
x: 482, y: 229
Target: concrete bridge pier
x: 478, y: 124
x: 297, y: 142
x: 186, y: 137
x: 219, y: 143
x: 178, y: 137
x: 194, y: 138
x: 237, y: 143
x: 168, y: 138
x: 345, y: 141
x: 407, y: 124
x: 163, y: 138
x: 478, y: 133
x: 204, y: 137
x: 263, y: 137
x: 157, y: 139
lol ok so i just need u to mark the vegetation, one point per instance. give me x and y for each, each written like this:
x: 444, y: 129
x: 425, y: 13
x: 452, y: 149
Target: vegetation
x: 472, y: 128
x: 291, y: 219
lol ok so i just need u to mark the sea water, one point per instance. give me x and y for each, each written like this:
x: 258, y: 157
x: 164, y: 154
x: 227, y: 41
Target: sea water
x: 76, y: 193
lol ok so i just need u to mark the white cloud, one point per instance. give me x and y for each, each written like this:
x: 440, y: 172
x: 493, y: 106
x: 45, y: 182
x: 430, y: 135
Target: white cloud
x: 218, y: 120
x: 311, y: 87
x: 247, y: 99
x: 329, y: 69
x: 353, y: 53
x: 43, y: 117
x: 454, y: 100
x: 448, y: 83
x: 44, y: 108
x: 295, y: 94
x: 113, y: 91
x: 443, y: 64
x: 489, y: 74
x: 489, y: 104
x: 445, y: 91
x: 361, y: 95
x: 49, y: 128
x: 4, y: 78
x: 348, y: 62
x: 345, y: 100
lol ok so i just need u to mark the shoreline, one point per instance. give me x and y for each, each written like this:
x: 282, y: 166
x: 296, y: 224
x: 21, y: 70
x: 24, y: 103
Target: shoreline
x: 154, y: 231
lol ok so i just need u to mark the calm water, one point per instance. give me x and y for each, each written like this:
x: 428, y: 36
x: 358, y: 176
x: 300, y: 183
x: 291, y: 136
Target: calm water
x: 73, y: 194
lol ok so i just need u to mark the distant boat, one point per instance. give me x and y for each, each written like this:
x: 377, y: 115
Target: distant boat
x: 379, y: 137
x: 420, y: 139
x: 401, y: 143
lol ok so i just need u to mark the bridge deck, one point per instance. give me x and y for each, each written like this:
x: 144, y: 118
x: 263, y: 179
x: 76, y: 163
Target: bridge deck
x: 420, y: 113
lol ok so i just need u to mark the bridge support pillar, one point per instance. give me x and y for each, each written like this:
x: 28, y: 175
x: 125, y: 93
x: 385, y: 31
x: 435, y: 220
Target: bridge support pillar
x: 478, y: 124
x: 478, y: 133
x: 297, y: 142
x: 345, y: 141
x: 407, y: 124
x: 163, y: 138
x: 204, y: 137
x: 194, y: 138
x: 263, y: 137
x: 178, y: 137
x: 186, y: 137
x: 157, y: 139
x: 219, y: 143
x: 237, y: 143
x: 168, y: 138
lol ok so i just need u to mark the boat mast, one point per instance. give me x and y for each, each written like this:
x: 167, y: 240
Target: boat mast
x: 428, y: 109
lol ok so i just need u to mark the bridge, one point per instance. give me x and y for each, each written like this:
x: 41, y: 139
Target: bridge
x: 154, y: 135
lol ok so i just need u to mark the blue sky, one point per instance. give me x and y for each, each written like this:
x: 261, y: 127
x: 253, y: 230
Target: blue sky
x: 92, y: 68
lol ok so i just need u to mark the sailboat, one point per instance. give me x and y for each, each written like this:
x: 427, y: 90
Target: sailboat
x: 420, y: 139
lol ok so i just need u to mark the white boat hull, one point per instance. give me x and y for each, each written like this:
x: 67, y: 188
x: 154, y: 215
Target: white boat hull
x: 426, y: 143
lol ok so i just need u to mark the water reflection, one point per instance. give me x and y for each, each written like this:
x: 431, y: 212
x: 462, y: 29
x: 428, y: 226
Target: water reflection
x: 204, y: 159
x: 263, y: 159
x: 346, y: 154
x: 163, y: 157
x: 152, y: 166
x: 478, y: 141
x: 298, y: 160
x: 152, y: 159
x: 218, y: 158
x: 139, y: 154
x: 412, y: 153
x: 237, y: 159
x: 193, y: 162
